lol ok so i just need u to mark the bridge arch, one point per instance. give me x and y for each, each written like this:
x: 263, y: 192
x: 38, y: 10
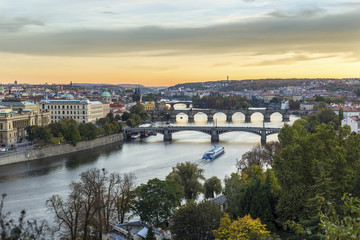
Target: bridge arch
x: 200, y: 117
x: 257, y: 117
x: 276, y: 117
x: 219, y: 117
x: 182, y: 117
x: 238, y: 117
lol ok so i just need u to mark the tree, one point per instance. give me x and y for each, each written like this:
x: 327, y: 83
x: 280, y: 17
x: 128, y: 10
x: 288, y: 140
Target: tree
x: 72, y: 134
x: 196, y: 220
x: 21, y: 229
x: 343, y: 224
x: 242, y: 229
x: 323, y: 163
x: 125, y: 116
x: 327, y: 115
x: 150, y: 234
x: 157, y: 200
x: 188, y: 175
x: 89, y: 208
x: 126, y: 197
x: 341, y: 115
x: 212, y: 186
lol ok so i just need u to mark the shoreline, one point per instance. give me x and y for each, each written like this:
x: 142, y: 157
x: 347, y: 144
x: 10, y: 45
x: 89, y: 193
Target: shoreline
x: 57, y: 150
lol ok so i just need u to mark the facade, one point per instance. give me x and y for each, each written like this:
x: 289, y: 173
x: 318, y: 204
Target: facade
x: 353, y: 122
x: 82, y: 111
x: 15, y: 116
x: 149, y: 106
x: 308, y: 106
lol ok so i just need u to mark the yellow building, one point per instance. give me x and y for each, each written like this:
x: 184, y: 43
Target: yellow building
x: 15, y: 116
x: 149, y: 106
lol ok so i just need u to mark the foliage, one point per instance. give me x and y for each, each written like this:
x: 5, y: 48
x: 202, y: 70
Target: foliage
x: 242, y: 228
x: 21, y: 229
x: 211, y: 186
x: 259, y: 155
x: 157, y: 200
x: 324, y: 163
x: 188, y: 175
x: 219, y: 102
x: 196, y: 220
x: 343, y: 222
x: 126, y: 196
x: 38, y: 133
x: 150, y: 234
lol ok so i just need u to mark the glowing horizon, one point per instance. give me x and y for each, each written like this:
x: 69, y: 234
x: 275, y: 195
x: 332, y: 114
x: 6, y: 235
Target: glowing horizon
x: 157, y: 43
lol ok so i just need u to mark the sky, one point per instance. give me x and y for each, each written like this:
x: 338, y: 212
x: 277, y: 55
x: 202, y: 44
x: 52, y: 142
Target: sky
x: 162, y: 43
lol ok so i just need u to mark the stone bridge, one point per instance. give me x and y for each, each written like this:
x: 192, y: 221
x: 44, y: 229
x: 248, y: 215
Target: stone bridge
x: 214, y: 132
x: 171, y: 114
x: 174, y: 102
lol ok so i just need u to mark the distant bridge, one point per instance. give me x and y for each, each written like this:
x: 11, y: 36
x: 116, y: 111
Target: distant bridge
x: 171, y: 114
x: 172, y: 103
x: 167, y: 131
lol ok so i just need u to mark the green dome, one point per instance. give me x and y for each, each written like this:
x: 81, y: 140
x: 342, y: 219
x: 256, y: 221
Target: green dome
x: 1, y: 88
x: 69, y: 96
x: 105, y: 94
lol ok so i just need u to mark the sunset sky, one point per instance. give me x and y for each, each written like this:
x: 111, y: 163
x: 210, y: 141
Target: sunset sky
x: 161, y: 43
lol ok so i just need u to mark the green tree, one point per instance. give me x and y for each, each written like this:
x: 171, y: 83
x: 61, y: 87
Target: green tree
x: 196, y: 221
x: 343, y: 222
x: 212, y: 186
x: 323, y: 163
x: 150, y: 234
x: 326, y: 116
x: 188, y: 175
x: 341, y: 115
x: 157, y: 200
x: 125, y: 116
x: 72, y: 134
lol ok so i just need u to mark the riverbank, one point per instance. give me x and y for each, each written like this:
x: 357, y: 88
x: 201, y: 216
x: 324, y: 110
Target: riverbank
x: 56, y: 150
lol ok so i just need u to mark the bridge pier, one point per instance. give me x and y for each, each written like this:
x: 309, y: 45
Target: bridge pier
x: 286, y: 117
x: 214, y: 135
x: 167, y: 135
x: 266, y: 117
x: 188, y: 105
x: 210, y: 118
x: 191, y: 119
x: 173, y: 118
x: 228, y: 118
x: 263, y: 137
x: 247, y: 118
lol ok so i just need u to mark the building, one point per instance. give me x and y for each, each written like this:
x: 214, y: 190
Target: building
x: 106, y: 96
x: 134, y: 230
x: 353, y: 122
x: 15, y: 116
x: 82, y: 111
x: 149, y: 106
x: 308, y: 106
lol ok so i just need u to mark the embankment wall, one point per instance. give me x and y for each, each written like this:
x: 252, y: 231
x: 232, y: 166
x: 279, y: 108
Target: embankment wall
x: 56, y: 150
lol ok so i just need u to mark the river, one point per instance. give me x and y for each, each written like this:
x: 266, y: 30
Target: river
x: 29, y: 184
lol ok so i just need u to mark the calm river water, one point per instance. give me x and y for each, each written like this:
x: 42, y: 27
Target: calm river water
x: 29, y: 184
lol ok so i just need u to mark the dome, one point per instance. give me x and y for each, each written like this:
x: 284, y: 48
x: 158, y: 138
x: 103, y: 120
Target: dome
x: 105, y: 94
x: 69, y: 96
x: 1, y: 88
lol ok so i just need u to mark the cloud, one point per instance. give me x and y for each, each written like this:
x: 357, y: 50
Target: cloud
x: 289, y: 60
x: 305, y: 12
x: 323, y: 34
x: 16, y: 24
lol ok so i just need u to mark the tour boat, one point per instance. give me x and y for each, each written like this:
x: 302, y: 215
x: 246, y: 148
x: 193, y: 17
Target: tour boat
x: 214, y: 153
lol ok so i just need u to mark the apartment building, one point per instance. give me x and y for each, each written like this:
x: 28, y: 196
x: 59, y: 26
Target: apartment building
x: 82, y: 111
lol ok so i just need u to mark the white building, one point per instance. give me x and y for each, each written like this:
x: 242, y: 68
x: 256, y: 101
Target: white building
x: 353, y: 122
x: 82, y: 111
x: 308, y: 106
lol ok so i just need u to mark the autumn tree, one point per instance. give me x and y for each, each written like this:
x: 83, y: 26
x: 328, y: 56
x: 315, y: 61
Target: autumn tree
x: 90, y: 206
x: 188, y: 175
x: 126, y: 196
x: 243, y: 228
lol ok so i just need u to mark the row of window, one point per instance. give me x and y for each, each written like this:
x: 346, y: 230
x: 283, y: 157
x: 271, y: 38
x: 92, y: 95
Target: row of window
x: 63, y: 106
x: 67, y: 112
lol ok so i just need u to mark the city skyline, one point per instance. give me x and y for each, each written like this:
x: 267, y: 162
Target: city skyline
x: 157, y: 43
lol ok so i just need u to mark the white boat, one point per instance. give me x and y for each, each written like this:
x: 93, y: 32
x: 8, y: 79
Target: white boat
x: 135, y: 136
x: 214, y: 153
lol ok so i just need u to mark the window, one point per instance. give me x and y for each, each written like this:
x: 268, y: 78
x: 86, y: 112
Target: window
x: 63, y: 112
x: 67, y: 107
x: 67, y: 112
x: 63, y: 106
x: 83, y: 112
